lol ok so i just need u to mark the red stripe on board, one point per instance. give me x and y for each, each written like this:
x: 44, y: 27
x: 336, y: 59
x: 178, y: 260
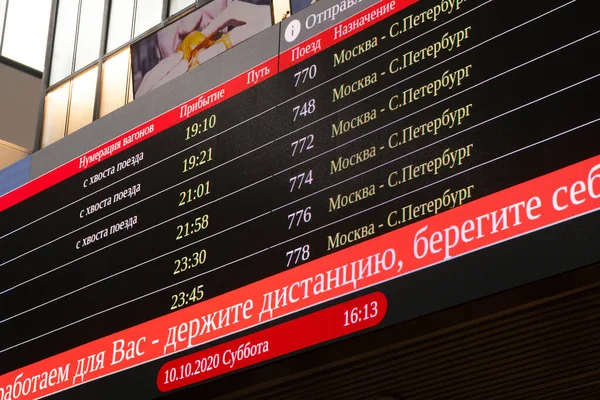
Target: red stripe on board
x: 156, y: 125
x: 328, y: 324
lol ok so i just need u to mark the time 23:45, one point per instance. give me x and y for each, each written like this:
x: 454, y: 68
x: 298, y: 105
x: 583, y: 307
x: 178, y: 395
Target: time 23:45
x: 185, y: 298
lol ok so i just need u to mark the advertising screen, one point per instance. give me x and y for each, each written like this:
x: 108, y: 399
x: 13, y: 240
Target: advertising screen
x: 195, y: 39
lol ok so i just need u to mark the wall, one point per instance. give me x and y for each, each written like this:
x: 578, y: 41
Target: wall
x: 19, y: 101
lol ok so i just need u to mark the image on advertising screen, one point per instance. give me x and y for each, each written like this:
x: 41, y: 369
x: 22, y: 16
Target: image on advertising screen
x: 360, y: 167
x: 194, y: 39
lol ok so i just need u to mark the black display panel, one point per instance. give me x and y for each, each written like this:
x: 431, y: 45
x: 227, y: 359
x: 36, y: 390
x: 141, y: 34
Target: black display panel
x: 456, y: 135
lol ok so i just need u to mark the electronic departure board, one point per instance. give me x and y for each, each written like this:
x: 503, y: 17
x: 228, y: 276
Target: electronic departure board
x: 394, y: 158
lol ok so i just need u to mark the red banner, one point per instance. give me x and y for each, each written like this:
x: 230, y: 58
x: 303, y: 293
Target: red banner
x: 559, y: 196
x: 328, y: 324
